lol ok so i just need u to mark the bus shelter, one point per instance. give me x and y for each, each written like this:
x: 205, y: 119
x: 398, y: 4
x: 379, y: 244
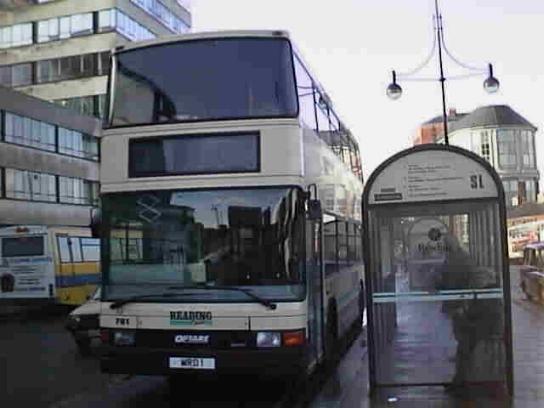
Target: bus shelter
x: 437, y: 276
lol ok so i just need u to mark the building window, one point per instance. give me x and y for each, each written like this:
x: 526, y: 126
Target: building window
x: 113, y: 19
x: 73, y: 67
x: 104, y: 63
x: 106, y: 20
x: 81, y: 24
x: 527, y: 149
x: 485, y: 146
x: 131, y: 29
x: 77, y: 191
x: 101, y: 102
x: 65, y: 27
x: 91, y: 105
x: 35, y: 186
x: 506, y: 143
x: 48, y: 30
x: 28, y: 185
x: 16, y: 35
x: 530, y: 190
x: 74, y: 143
x: 16, y: 75
x: 159, y: 11
x: 510, y: 191
x: 84, y: 105
x: 29, y: 132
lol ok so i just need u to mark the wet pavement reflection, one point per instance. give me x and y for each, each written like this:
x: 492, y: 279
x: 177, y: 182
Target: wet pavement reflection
x: 348, y: 384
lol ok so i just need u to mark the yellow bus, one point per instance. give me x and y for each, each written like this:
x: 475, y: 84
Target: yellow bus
x: 58, y: 264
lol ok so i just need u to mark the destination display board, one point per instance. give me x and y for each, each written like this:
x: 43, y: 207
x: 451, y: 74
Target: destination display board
x: 432, y: 175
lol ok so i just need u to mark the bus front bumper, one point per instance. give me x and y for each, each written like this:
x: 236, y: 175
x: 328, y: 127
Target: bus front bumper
x: 282, y: 361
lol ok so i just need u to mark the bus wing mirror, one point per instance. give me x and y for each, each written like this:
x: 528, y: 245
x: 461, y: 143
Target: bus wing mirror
x: 96, y: 223
x: 314, y: 210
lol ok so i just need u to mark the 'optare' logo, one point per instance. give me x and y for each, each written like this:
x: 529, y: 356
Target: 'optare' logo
x: 191, y: 339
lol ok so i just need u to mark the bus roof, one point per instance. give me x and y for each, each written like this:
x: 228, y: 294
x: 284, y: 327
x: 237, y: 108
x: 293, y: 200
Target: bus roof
x: 202, y: 35
x: 18, y: 229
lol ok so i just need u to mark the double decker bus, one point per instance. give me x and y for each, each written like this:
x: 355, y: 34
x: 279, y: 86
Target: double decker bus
x: 231, y: 212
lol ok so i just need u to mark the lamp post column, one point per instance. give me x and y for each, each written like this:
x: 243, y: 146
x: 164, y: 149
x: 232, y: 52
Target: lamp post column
x: 442, y: 78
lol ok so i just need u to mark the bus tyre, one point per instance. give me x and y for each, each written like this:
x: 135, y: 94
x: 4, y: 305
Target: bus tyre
x: 84, y: 347
x: 175, y: 387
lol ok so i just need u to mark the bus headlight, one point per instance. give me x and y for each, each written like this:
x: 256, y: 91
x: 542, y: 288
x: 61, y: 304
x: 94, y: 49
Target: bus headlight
x: 124, y: 338
x: 268, y: 339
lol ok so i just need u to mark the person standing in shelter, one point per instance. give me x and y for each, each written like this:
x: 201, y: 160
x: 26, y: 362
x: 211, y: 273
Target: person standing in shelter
x: 474, y: 321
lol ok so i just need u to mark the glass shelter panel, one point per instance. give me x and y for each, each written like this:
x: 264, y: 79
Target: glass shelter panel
x: 438, y: 307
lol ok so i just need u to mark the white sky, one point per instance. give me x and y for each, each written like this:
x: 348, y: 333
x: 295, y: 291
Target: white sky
x: 352, y: 46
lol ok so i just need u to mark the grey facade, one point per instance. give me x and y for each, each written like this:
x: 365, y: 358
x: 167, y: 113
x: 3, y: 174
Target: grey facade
x: 58, y: 50
x: 48, y: 162
x: 505, y: 139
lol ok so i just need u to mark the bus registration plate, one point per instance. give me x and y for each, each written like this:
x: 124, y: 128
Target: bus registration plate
x: 192, y: 363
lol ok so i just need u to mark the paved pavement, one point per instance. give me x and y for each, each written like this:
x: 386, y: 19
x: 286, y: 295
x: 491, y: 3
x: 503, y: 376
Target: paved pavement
x: 348, y: 386
x: 39, y: 367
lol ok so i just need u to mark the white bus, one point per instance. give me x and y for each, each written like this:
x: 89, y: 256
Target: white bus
x: 53, y: 264
x: 215, y: 253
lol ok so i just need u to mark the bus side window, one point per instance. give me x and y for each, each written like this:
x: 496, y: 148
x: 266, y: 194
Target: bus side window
x: 323, y: 124
x: 64, y: 250
x: 352, y: 243
x: 329, y: 244
x: 305, y: 91
x: 343, y: 250
x: 90, y: 248
x: 75, y: 246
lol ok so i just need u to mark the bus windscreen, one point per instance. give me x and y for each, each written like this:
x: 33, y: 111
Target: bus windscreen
x: 22, y: 246
x: 210, y: 79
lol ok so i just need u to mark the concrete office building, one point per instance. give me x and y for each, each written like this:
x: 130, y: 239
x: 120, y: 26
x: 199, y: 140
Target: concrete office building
x: 501, y: 136
x: 48, y: 162
x: 58, y: 50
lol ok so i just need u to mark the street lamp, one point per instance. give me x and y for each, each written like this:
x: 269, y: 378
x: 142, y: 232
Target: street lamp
x: 491, y: 84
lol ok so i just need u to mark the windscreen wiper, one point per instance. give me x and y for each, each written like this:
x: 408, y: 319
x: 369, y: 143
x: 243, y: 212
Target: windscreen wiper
x: 270, y: 305
x: 118, y: 303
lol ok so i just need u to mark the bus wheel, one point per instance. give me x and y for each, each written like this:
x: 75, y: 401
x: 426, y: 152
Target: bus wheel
x: 84, y: 347
x: 176, y: 387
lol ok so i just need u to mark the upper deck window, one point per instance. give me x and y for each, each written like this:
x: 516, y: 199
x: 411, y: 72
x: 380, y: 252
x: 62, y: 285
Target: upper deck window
x: 209, y: 79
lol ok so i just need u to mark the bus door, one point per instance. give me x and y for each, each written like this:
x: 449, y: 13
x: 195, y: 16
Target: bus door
x: 78, y: 269
x: 315, y: 280
x: 437, y: 273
